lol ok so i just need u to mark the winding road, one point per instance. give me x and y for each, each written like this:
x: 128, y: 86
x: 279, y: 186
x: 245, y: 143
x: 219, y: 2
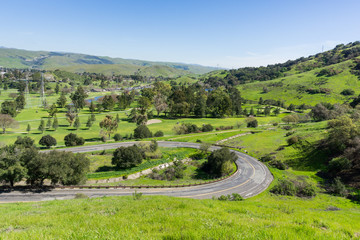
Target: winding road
x: 252, y: 178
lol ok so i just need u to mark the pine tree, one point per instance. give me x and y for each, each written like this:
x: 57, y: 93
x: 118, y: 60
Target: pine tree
x: 77, y: 123
x: 117, y: 119
x: 28, y: 129
x: 93, y: 118
x: 41, y: 127
x: 48, y: 123
x: 55, y: 124
x: 89, y: 122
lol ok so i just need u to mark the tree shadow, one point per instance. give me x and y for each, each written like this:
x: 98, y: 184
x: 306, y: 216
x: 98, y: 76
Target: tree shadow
x: 106, y: 169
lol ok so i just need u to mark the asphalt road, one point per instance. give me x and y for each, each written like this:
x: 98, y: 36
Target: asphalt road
x: 252, y: 178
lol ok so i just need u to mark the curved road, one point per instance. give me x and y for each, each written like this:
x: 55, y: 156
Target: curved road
x: 252, y: 178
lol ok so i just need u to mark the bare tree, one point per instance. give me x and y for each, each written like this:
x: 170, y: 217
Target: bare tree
x: 7, y: 121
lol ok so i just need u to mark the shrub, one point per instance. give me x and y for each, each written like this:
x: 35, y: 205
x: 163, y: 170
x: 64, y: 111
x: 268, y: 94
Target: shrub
x: 287, y: 128
x: 305, y: 189
x: 289, y: 133
x: 292, y: 140
x: 47, y: 141
x: 73, y: 140
x: 103, y: 138
x: 338, y: 188
x: 153, y: 146
x: 136, y: 195
x: 207, y: 128
x: 284, y: 187
x: 219, y: 162
x: 347, y: 92
x: 251, y: 122
x: 278, y: 164
x: 81, y: 196
x: 232, y: 197
x: 267, y: 158
x: 141, y: 132
x: 159, y: 134
x: 118, y: 137
x: 338, y: 164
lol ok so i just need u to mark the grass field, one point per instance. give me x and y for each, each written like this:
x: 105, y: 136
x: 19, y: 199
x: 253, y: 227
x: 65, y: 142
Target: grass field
x: 291, y: 89
x: 262, y: 217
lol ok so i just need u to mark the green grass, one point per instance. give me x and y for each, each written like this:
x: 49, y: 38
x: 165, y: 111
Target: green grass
x: 100, y: 161
x: 289, y: 90
x: 158, y: 217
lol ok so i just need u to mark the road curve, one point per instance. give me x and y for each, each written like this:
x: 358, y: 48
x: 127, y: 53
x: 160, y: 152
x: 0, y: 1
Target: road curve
x: 252, y: 178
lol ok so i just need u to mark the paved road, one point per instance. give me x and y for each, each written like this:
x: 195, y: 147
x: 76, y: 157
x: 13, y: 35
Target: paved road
x: 252, y: 178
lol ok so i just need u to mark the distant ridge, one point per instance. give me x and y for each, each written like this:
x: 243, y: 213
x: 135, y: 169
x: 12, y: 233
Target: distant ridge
x: 76, y: 62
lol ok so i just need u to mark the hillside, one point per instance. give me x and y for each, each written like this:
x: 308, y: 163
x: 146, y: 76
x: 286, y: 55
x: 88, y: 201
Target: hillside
x: 319, y: 78
x: 17, y: 58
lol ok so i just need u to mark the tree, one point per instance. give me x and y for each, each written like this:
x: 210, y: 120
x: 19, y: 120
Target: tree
x: 267, y: 110
x: 126, y: 157
x: 28, y: 128
x: 93, y: 118
x: 48, y: 123
x: 252, y: 113
x: 261, y: 101
x: 73, y: 140
x: 219, y: 162
x: 11, y: 169
x: 57, y: 88
x: 47, y: 141
x: 9, y: 107
x: 219, y: 103
x: 108, y: 103
x: 6, y: 121
x: 55, y: 124
x: 20, y: 102
x: 67, y: 168
x: 117, y: 119
x: 61, y: 102
x: 200, y: 105
x: 276, y: 111
x: 78, y: 98
x: 160, y: 103
x: 92, y: 107
x: 109, y: 125
x: 293, y: 118
x: 77, y: 123
x: 25, y: 142
x: 142, y: 131
x: 70, y: 115
x: 89, y: 123
x: 41, y: 127
x: 52, y: 110
x: 37, y: 166
x: 144, y: 104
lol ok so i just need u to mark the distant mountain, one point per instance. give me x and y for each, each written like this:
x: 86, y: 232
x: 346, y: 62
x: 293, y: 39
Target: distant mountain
x: 18, y: 58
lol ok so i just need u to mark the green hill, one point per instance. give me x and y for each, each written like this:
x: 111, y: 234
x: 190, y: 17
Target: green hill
x: 17, y: 58
x: 319, y: 78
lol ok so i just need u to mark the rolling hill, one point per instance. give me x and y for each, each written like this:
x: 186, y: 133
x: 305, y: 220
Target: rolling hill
x: 17, y: 58
x: 331, y: 76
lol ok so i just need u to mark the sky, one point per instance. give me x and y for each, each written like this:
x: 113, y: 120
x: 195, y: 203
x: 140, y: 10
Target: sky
x: 226, y: 33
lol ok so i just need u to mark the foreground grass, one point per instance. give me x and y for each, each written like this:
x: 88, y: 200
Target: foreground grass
x: 262, y: 217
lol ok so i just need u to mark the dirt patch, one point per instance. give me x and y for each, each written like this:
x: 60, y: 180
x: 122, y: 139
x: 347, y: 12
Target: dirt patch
x: 152, y: 121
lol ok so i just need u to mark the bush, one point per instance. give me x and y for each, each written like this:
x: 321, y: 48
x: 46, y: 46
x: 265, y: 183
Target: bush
x: 267, y: 158
x: 338, y: 188
x: 118, y: 137
x: 284, y: 187
x: 251, y: 122
x: 47, y: 141
x: 207, y: 128
x: 278, y: 164
x: 347, y: 92
x: 141, y: 132
x: 232, y: 197
x: 289, y: 133
x: 339, y: 164
x: 287, y: 128
x: 292, y: 140
x: 159, y: 134
x: 73, y: 140
x: 103, y: 138
x: 126, y: 157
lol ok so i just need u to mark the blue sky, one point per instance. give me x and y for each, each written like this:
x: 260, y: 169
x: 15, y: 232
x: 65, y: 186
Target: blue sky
x: 226, y: 33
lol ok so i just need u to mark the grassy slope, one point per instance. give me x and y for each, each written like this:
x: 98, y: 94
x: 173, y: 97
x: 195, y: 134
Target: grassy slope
x: 262, y: 217
x: 288, y: 92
